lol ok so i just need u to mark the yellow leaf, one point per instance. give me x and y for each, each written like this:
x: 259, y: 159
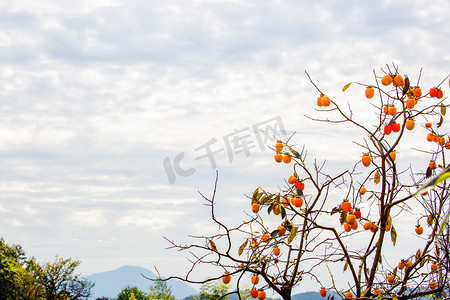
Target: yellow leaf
x: 443, y: 109
x: 393, y: 235
x: 213, y: 245
x: 346, y: 86
x: 377, y: 177
x: 389, y: 220
x: 365, y: 292
x: 430, y: 220
x: 242, y: 247
x: 262, y: 258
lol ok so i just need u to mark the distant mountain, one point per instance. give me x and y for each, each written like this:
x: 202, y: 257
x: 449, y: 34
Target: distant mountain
x: 109, y: 284
x: 308, y: 296
x: 301, y: 296
x: 232, y: 297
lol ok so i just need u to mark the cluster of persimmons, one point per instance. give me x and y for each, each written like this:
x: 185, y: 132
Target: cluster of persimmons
x: 273, y: 261
x: 410, y: 97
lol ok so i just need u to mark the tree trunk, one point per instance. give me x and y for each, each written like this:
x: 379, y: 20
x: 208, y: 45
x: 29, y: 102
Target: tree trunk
x: 286, y: 294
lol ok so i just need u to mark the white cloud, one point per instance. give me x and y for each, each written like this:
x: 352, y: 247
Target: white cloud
x: 3, y: 209
x: 155, y: 219
x: 95, y: 96
x: 90, y: 218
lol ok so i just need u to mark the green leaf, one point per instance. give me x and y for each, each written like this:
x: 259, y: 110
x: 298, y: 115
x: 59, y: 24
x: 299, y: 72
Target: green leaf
x: 292, y: 235
x: 255, y: 195
x: 346, y: 86
x: 336, y: 209
x: 274, y: 233
x: 406, y: 87
x: 259, y: 196
x: 288, y: 225
x: 441, y: 120
x: 263, y: 199
x: 269, y: 209
x: 343, y: 217
x: 277, y: 198
x: 435, y: 181
x: 443, y: 109
x: 422, y: 262
x: 418, y: 253
x: 283, y: 212
x: 393, y: 235
x: 296, y: 154
x: 444, y: 223
x: 429, y: 172
x: 437, y: 250
x: 242, y: 247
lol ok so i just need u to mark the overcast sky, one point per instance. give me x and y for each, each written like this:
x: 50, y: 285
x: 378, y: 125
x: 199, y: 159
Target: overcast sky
x: 101, y: 101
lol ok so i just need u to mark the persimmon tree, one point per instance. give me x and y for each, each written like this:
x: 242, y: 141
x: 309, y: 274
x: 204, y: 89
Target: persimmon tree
x: 340, y: 228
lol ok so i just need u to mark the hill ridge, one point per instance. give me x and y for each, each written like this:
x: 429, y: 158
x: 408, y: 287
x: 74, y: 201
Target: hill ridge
x: 110, y: 283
